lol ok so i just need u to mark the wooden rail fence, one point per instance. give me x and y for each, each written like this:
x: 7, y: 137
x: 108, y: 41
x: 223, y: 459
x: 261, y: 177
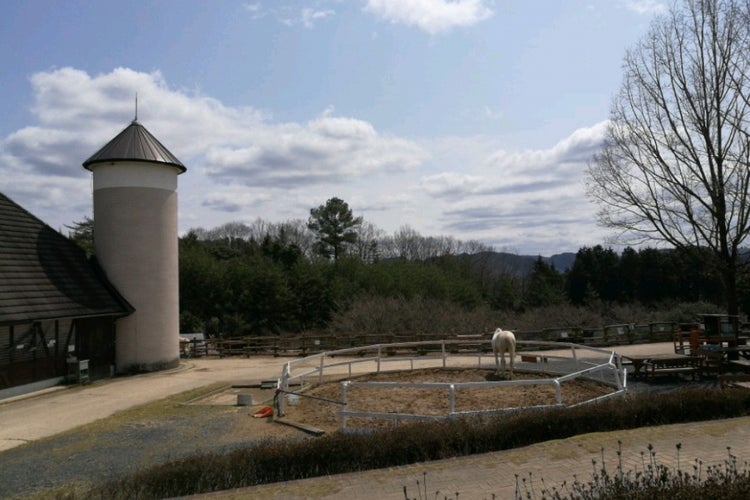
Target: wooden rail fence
x: 312, y: 343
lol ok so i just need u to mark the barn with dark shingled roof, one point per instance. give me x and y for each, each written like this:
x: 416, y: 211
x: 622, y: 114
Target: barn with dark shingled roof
x: 54, y: 302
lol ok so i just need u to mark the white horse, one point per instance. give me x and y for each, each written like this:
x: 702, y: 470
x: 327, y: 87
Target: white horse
x: 504, y: 341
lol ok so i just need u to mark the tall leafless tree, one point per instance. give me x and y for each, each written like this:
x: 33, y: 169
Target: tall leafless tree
x: 366, y: 245
x: 675, y: 165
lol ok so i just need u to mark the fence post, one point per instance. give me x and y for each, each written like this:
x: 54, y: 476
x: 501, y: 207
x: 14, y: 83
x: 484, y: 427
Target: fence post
x: 283, y: 385
x: 452, y: 399
x: 342, y: 416
x: 379, y: 355
x: 442, y: 344
x: 558, y: 391
x: 322, y: 364
x: 620, y: 373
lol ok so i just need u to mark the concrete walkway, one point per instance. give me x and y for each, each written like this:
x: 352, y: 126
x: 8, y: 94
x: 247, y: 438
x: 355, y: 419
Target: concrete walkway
x: 479, y: 476
x: 49, y: 412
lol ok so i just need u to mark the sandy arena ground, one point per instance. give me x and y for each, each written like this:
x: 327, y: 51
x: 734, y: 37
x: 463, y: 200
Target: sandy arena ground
x: 317, y: 407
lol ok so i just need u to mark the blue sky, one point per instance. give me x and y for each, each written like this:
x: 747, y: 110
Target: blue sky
x: 465, y: 118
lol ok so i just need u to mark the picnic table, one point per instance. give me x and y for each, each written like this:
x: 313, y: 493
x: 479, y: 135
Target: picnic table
x: 674, y: 364
x: 653, y: 364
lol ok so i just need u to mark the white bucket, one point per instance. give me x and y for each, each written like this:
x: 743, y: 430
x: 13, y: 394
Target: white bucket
x: 292, y: 399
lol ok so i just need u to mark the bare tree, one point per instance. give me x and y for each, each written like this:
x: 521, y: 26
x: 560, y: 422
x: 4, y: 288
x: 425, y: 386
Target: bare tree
x: 474, y: 247
x: 675, y: 166
x: 230, y: 231
x: 259, y: 229
x: 407, y: 243
x: 366, y: 245
x: 296, y: 232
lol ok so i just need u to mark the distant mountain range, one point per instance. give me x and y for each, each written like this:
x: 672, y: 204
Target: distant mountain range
x: 520, y: 265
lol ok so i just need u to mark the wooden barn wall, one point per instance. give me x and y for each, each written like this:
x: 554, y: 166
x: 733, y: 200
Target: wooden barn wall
x: 30, y: 352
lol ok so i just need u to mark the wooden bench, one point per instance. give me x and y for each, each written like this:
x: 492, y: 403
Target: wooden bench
x: 713, y: 361
x: 673, y: 366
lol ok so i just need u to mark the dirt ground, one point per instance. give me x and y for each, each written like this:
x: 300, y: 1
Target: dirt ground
x: 317, y: 407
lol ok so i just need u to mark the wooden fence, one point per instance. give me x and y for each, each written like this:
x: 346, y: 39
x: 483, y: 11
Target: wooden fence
x: 312, y: 343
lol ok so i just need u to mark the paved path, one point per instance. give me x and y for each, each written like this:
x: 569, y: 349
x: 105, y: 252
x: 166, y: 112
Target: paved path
x: 49, y: 412
x: 479, y: 476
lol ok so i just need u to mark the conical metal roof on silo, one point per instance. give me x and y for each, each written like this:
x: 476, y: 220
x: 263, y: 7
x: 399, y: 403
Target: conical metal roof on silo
x: 134, y: 143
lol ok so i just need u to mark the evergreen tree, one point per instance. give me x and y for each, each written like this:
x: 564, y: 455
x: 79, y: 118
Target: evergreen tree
x: 335, y: 226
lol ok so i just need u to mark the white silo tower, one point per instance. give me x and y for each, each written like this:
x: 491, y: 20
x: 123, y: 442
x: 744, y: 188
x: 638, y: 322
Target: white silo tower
x: 135, y: 241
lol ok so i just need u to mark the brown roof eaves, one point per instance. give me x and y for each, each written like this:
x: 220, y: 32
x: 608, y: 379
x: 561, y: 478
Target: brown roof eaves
x: 45, y: 276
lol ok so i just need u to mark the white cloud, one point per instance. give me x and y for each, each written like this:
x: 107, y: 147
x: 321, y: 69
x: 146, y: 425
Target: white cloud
x: 255, y: 10
x: 646, y: 7
x: 327, y: 149
x: 432, y: 16
x: 532, y: 196
x: 310, y: 16
x: 451, y: 184
x: 576, y: 148
x: 243, y: 165
x: 235, y: 156
x: 287, y: 14
x: 235, y: 199
x: 521, y: 172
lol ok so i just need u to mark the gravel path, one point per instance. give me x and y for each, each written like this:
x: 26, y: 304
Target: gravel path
x: 127, y: 442
x: 81, y: 457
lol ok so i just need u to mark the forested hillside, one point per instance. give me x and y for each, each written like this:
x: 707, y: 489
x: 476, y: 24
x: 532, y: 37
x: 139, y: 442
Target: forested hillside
x: 244, y: 283
x: 337, y: 273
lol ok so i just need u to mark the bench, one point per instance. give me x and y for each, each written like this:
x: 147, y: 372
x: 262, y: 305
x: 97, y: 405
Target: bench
x: 713, y: 361
x: 673, y: 366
